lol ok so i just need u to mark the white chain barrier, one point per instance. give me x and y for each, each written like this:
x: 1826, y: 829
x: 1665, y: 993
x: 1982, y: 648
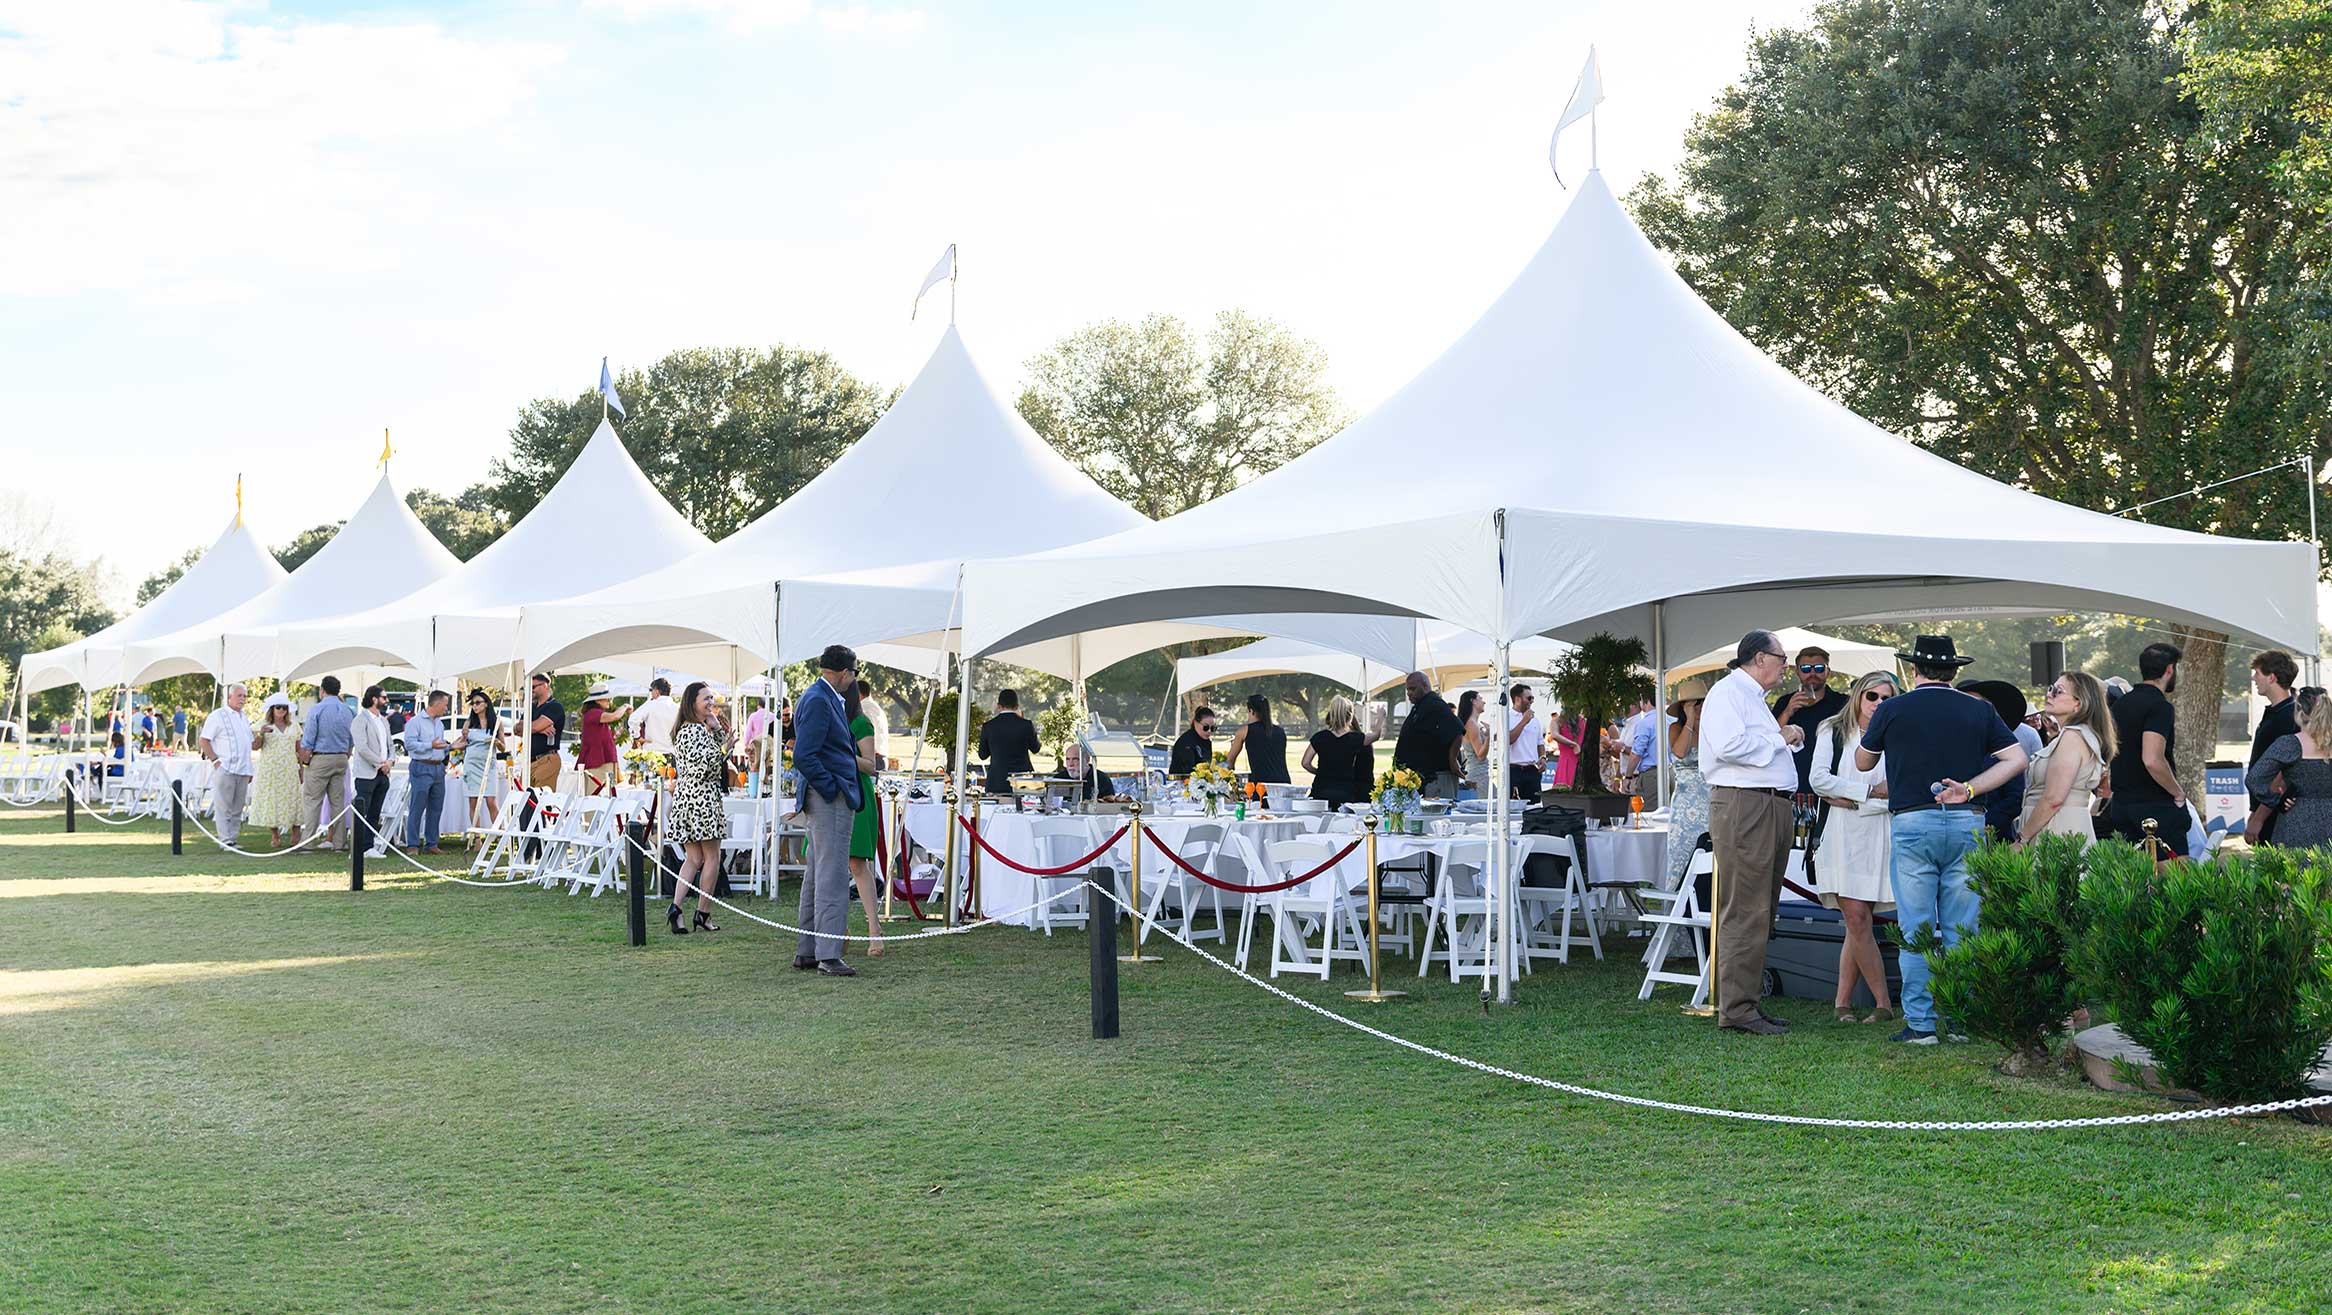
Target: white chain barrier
x: 1752, y: 1116
x: 93, y: 811
x: 347, y: 810
x: 388, y: 846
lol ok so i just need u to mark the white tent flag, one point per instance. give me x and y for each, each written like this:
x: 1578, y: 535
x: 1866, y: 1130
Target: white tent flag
x: 607, y: 389
x: 943, y: 272
x: 1584, y: 98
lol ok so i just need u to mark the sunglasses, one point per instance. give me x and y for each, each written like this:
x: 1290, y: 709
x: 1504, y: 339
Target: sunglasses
x: 1873, y: 696
x: 1813, y: 668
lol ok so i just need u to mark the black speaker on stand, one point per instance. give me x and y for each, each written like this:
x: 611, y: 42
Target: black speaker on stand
x: 2048, y: 662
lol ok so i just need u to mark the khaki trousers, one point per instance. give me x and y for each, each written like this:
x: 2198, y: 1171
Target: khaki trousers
x: 1750, y: 830
x: 324, y: 780
x: 544, y: 772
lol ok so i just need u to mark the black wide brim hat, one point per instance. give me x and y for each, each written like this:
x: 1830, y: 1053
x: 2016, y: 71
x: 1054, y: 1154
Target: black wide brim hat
x: 2006, y: 699
x: 1934, y: 651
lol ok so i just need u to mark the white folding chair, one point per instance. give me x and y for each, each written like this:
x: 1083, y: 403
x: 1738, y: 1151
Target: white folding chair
x: 1458, y: 912
x: 1060, y: 840
x: 1198, y: 847
x: 588, y: 855
x: 749, y: 821
x: 1323, y: 902
x: 1684, y: 917
x: 1569, y: 898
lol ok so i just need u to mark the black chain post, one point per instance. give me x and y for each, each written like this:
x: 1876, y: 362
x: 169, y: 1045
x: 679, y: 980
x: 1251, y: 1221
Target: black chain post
x: 177, y: 818
x: 635, y: 893
x: 357, y: 844
x: 1101, y: 938
x: 72, y: 791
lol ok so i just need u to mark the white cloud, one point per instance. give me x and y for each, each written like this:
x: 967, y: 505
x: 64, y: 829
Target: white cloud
x: 144, y: 147
x: 747, y: 16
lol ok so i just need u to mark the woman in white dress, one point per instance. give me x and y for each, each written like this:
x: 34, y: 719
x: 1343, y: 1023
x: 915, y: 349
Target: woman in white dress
x: 1854, y: 858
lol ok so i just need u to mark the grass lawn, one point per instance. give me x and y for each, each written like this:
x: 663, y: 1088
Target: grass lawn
x: 235, y: 1086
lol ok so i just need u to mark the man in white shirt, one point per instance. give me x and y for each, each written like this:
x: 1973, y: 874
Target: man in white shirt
x: 1746, y: 757
x: 652, y: 722
x: 368, y: 766
x: 1526, y: 744
x: 226, y: 745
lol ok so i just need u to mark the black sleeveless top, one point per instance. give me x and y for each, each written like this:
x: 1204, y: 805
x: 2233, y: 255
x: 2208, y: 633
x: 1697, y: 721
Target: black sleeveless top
x: 1266, y: 748
x: 1346, y: 766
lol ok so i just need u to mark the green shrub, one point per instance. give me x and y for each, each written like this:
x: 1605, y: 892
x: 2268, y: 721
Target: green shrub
x: 2009, y: 981
x: 942, y: 735
x: 2222, y: 969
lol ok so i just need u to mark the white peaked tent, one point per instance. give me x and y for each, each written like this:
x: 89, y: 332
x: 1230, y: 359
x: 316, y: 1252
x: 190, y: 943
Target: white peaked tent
x: 236, y: 568
x: 1447, y: 655
x: 1847, y: 658
x: 838, y: 562
x: 1655, y: 475
x: 377, y: 557
x: 601, y: 523
x: 1647, y: 456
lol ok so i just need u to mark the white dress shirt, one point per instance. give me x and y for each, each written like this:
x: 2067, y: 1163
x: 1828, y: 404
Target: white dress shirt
x: 370, y: 756
x: 229, y: 732
x: 1526, y: 749
x: 1740, y: 742
x: 653, y: 722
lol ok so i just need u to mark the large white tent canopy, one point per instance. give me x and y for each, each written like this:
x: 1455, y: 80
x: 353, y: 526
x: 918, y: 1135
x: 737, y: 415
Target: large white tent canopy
x: 378, y: 556
x: 870, y: 551
x: 234, y: 569
x: 603, y: 522
x: 1769, y: 502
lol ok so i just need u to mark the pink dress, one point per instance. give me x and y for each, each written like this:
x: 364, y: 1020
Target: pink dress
x: 1567, y: 757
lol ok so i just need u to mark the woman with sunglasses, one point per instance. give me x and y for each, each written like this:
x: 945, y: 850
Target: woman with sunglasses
x: 2060, y: 790
x: 479, y: 736
x: 1852, y: 847
x: 2293, y: 779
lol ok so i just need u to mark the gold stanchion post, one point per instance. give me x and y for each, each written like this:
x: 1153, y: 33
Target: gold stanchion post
x: 1709, y: 1010
x: 1134, y: 888
x: 2153, y: 841
x: 947, y: 872
x: 898, y: 854
x: 1374, y: 994
x: 972, y: 877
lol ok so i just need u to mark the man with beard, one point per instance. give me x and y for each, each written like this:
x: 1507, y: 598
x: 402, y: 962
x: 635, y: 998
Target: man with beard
x: 2145, y: 759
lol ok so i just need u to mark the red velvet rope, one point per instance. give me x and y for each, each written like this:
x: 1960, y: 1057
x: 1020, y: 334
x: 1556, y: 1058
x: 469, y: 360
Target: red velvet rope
x: 1062, y: 870
x: 1342, y: 855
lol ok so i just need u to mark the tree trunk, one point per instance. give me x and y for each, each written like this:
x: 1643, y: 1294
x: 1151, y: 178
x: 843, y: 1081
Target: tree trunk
x: 2202, y: 683
x: 1589, y: 778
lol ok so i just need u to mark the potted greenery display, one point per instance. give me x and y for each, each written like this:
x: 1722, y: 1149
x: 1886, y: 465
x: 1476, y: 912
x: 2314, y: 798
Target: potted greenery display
x: 942, y: 734
x: 1598, y: 680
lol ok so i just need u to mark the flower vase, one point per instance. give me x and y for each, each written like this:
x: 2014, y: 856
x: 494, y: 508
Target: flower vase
x: 1394, y: 825
x: 1213, y: 803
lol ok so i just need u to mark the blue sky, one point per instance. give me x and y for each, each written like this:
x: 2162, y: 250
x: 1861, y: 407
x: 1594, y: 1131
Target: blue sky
x: 246, y: 237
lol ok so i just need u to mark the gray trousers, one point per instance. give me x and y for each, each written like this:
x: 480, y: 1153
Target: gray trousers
x: 230, y: 795
x: 825, y: 906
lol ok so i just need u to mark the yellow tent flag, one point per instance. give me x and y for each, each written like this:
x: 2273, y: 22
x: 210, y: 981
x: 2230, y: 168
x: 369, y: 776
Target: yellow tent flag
x: 384, y: 447
x: 238, y: 498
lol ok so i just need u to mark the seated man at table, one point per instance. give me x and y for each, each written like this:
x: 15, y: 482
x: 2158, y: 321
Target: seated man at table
x: 1077, y: 765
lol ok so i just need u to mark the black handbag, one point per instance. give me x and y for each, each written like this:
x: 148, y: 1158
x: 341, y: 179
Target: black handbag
x: 1554, y: 820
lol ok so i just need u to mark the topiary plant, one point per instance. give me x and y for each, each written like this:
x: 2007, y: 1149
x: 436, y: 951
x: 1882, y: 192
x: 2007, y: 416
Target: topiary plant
x: 942, y: 735
x: 1598, y: 680
x: 2009, y: 980
x: 1059, y: 724
x: 2223, y: 969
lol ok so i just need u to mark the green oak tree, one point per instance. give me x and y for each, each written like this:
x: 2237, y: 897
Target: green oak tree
x: 2007, y: 230
x: 1166, y: 422
x: 723, y: 433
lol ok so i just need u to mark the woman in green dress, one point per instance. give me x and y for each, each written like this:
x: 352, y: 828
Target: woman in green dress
x: 870, y: 814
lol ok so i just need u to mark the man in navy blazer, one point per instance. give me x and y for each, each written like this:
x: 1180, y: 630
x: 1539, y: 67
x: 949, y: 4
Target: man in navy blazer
x: 827, y: 758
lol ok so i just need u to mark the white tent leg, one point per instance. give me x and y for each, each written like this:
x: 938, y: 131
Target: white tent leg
x: 1660, y: 697
x: 1501, y: 845
x: 963, y: 757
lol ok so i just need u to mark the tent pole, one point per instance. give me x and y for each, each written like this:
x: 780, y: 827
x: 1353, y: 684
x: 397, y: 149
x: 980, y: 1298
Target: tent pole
x: 1660, y: 695
x: 1501, y: 846
x: 2307, y: 466
x: 963, y: 757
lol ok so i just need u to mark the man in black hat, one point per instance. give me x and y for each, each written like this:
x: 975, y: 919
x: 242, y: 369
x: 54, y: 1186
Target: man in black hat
x: 1943, y: 752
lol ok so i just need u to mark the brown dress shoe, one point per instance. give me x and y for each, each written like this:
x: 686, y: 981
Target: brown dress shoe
x: 1759, y: 1026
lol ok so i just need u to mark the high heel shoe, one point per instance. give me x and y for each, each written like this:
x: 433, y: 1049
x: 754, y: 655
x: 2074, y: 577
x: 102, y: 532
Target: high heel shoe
x: 1884, y: 1014
x: 672, y: 917
x: 702, y: 923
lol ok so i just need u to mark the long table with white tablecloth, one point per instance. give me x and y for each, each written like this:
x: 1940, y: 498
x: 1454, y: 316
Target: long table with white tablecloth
x: 1613, y: 853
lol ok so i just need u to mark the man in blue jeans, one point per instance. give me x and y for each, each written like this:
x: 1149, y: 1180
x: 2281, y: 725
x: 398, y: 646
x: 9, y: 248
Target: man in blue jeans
x: 425, y: 749
x: 1943, y: 751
